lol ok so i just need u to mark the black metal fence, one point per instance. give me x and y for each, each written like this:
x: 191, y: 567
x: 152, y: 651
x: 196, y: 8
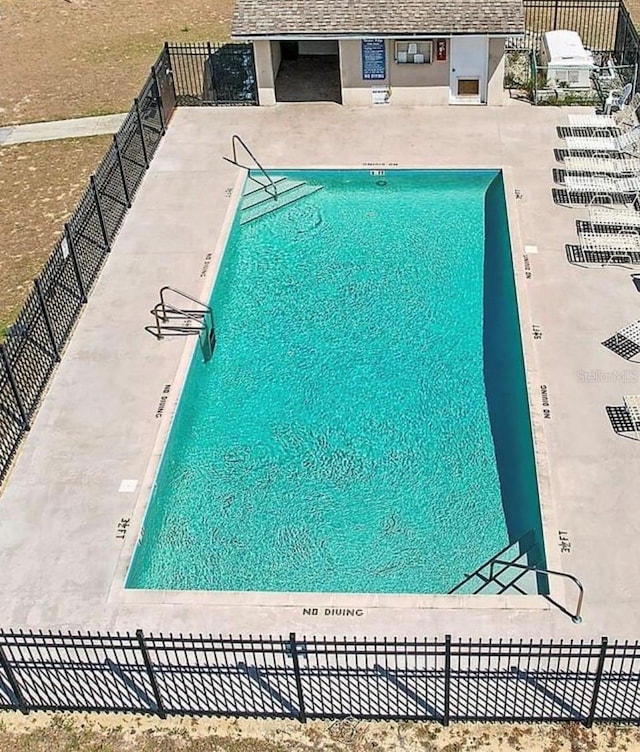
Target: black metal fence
x: 275, y: 677
x: 605, y: 27
x: 35, y: 341
x: 214, y: 75
x: 596, y: 21
x: 627, y: 41
x: 183, y: 74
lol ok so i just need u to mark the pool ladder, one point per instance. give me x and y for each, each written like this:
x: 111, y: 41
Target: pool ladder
x: 496, y: 576
x: 174, y: 321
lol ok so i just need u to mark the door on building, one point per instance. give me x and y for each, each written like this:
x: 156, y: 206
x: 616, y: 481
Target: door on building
x: 468, y: 78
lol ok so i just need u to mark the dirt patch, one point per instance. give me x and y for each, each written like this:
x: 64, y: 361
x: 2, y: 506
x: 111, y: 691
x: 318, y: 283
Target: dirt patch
x: 119, y: 733
x: 68, y: 58
x: 40, y: 185
x: 634, y: 9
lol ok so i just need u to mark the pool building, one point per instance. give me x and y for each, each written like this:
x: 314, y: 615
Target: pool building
x: 360, y: 53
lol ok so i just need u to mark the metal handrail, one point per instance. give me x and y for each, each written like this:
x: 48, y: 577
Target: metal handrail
x: 576, y: 618
x: 198, y: 318
x: 207, y: 308
x: 236, y: 139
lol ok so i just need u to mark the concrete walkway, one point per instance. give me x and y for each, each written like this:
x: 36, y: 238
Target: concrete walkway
x: 56, y: 129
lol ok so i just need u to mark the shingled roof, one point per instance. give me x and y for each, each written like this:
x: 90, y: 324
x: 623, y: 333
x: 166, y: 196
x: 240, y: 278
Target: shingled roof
x: 371, y: 18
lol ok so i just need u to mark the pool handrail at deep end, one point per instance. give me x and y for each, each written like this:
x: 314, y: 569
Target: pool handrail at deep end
x: 577, y: 616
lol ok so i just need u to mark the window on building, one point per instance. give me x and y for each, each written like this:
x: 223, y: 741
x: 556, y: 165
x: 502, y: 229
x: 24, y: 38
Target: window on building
x: 414, y: 52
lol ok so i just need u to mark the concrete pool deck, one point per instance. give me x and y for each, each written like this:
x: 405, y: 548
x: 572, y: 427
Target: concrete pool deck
x: 62, y: 550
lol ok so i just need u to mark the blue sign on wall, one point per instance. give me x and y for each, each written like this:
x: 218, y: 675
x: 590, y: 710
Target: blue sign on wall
x: 374, y: 64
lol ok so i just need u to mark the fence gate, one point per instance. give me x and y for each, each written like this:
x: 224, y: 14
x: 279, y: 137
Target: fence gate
x: 164, y: 79
x: 210, y: 75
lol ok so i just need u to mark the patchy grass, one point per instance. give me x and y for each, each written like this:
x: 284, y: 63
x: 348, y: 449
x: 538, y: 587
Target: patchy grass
x: 40, y: 185
x: 634, y: 9
x: 40, y: 732
x: 69, y: 58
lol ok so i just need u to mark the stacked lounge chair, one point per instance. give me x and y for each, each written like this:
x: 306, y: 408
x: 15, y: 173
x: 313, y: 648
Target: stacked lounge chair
x: 603, y: 163
x: 625, y: 142
x: 614, y: 215
x: 603, y: 184
x: 602, y: 171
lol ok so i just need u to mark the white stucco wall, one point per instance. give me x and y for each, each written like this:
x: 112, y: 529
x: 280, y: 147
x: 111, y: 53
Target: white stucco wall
x: 495, y: 75
x: 266, y: 69
x: 276, y: 58
x: 317, y: 47
x: 410, y: 84
x: 426, y: 84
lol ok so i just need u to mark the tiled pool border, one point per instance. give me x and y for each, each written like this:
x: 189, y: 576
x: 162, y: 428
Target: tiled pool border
x: 118, y: 593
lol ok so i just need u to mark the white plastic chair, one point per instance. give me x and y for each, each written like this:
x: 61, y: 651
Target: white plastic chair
x: 624, y: 117
x: 617, y: 98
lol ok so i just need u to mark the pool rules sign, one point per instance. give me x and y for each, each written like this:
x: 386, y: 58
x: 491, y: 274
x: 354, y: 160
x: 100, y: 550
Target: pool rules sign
x: 374, y: 61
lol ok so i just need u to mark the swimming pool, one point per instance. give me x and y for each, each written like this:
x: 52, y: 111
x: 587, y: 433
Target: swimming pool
x: 363, y: 424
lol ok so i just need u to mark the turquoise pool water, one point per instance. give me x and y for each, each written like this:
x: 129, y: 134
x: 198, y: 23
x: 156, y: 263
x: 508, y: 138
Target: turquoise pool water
x: 363, y: 424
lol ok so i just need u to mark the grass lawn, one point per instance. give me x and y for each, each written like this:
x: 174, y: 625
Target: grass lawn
x: 39, y: 732
x: 72, y: 58
x: 69, y: 58
x: 40, y: 184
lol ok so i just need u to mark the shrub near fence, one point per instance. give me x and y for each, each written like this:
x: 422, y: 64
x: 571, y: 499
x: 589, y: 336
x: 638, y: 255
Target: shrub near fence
x: 277, y: 677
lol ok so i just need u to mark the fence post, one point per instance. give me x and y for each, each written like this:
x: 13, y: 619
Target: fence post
x: 596, y: 686
x: 447, y: 680
x: 116, y: 146
x: 47, y: 319
x: 214, y: 88
x: 152, y: 679
x: 555, y: 15
x: 144, y: 143
x: 154, y: 75
x: 14, y: 388
x: 169, y: 74
x: 296, y: 671
x: 103, y: 226
x: 74, y: 259
x: 17, y: 693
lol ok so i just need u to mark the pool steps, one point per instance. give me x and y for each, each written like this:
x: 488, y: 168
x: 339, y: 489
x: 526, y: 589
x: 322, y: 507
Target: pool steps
x: 499, y: 579
x: 258, y: 202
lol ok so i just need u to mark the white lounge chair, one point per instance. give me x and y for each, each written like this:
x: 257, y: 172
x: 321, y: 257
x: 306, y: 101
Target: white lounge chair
x: 623, y: 118
x: 626, y: 341
x: 623, y: 142
x: 607, y: 249
x: 602, y: 184
x: 614, y: 215
x: 617, y: 98
x: 620, y: 243
x: 632, y: 406
x: 602, y: 163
